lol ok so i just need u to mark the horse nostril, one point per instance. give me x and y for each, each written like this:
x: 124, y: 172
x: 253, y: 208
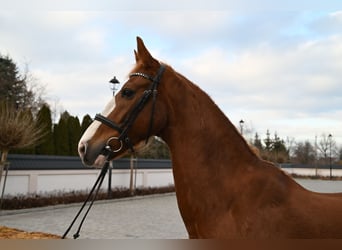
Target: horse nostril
x: 82, y: 149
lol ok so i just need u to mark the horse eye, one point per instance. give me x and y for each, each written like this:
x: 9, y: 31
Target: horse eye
x: 127, y: 93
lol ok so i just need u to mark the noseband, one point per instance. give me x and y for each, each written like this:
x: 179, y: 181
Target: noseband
x: 128, y: 122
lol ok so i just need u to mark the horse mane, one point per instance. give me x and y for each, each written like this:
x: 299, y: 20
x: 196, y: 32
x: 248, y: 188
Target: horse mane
x: 214, y: 108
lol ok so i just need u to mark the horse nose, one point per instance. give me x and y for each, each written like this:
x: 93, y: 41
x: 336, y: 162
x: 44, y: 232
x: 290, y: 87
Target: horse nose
x: 82, y: 149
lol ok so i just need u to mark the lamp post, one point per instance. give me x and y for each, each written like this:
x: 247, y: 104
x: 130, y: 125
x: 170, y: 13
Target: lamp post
x: 330, y: 139
x: 114, y: 82
x: 241, y: 126
x: 113, y: 86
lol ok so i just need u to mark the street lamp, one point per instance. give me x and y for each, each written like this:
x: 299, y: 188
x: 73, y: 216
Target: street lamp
x: 241, y: 126
x: 330, y: 139
x: 114, y: 82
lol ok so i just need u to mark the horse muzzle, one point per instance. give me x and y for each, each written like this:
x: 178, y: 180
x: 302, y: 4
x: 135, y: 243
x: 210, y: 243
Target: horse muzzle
x: 96, y: 156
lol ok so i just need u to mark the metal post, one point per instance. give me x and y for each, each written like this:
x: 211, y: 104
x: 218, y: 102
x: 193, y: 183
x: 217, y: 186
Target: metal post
x: 110, y: 192
x: 330, y: 136
x: 316, y: 160
x: 241, y: 126
x: 114, y: 82
x: 131, y: 190
x: 6, y: 166
x: 330, y: 165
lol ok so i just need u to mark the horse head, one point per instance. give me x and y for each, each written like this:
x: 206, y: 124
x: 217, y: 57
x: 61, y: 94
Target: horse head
x: 132, y: 116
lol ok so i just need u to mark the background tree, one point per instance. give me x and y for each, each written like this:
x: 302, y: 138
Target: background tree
x: 61, y: 135
x: 74, y: 134
x: 17, y: 130
x: 67, y: 134
x: 86, y: 121
x: 257, y: 142
x: 14, y: 88
x: 275, y: 149
x: 46, y: 147
x: 290, y: 144
x: 268, y: 141
x: 30, y: 148
x: 340, y: 155
x: 304, y: 153
x: 12, y: 85
x: 278, y: 149
x: 327, y: 147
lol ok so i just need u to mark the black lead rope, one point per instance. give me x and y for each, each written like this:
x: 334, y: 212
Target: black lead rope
x: 96, y: 186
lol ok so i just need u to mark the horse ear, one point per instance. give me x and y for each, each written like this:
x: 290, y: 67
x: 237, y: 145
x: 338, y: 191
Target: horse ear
x: 136, y: 56
x: 143, y: 54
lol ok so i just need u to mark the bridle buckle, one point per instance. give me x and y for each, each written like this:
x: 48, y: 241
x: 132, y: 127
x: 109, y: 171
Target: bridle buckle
x: 109, y: 148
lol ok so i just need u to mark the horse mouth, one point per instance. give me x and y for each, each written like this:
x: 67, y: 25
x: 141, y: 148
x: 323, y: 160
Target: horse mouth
x: 100, y: 161
x: 91, y: 156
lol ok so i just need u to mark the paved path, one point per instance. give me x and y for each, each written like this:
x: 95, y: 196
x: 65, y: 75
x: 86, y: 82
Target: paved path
x: 150, y: 217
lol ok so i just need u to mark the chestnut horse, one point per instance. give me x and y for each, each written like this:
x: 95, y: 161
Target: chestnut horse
x: 223, y: 189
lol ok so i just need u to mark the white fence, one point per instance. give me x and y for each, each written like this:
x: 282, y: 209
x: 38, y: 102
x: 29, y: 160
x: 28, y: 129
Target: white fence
x: 44, y: 181
x: 30, y: 174
x: 313, y: 171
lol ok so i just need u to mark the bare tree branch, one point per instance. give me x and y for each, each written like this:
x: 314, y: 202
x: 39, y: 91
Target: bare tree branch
x: 17, y: 130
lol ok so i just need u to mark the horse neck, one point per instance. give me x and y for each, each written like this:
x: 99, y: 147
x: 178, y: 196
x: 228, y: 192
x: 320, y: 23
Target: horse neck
x: 199, y: 135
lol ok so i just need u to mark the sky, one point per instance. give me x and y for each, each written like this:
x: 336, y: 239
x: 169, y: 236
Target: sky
x: 275, y: 67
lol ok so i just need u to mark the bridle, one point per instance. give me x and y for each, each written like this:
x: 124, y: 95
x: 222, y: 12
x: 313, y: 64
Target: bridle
x: 124, y: 128
x: 123, y: 138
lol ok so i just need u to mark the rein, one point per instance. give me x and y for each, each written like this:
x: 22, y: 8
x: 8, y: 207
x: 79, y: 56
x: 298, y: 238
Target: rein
x: 96, y: 186
x: 128, y: 122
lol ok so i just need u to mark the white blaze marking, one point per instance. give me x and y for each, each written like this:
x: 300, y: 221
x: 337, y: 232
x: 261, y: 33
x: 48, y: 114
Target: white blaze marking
x: 91, y: 130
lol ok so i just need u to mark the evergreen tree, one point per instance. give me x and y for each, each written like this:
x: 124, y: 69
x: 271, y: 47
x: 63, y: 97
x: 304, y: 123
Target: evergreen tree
x: 61, y: 135
x: 275, y: 149
x: 268, y: 141
x: 46, y: 147
x: 257, y: 142
x: 86, y: 121
x: 13, y: 88
x: 67, y: 134
x: 74, y: 134
x: 278, y: 148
